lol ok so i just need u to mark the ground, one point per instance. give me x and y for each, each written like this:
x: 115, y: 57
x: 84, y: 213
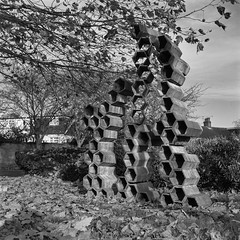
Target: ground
x: 34, y: 207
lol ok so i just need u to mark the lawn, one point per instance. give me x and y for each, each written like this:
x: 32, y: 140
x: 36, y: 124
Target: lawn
x: 34, y: 207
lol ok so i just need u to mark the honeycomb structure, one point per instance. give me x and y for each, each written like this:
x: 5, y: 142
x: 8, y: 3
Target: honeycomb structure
x: 158, y: 62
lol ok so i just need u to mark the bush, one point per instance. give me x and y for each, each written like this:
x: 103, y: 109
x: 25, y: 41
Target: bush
x: 44, y: 162
x: 219, y: 162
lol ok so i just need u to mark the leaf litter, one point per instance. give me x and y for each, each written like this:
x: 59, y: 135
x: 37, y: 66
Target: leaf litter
x: 37, y: 208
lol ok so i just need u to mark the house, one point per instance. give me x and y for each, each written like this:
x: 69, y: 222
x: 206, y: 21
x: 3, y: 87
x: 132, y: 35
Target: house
x: 211, y: 132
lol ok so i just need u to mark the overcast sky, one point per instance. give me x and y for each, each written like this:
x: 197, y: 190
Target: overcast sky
x: 218, y: 68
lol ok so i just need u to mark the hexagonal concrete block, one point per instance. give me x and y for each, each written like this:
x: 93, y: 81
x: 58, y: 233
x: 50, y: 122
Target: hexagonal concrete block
x: 121, y: 183
x: 165, y: 169
x: 159, y: 126
x: 111, y: 122
x: 104, y: 182
x: 172, y: 117
x: 137, y: 174
x: 105, y: 135
x: 166, y: 199
x: 175, y: 105
x: 187, y: 128
x: 106, y: 170
x: 199, y: 200
x: 95, y: 145
x: 93, y: 170
x: 88, y: 157
x: 123, y: 87
x: 174, y: 139
x: 107, y: 108
x: 165, y: 43
x: 137, y: 159
x: 144, y: 43
x: 185, y: 177
x: 171, y: 90
x: 166, y: 57
x: 92, y: 193
x: 148, y: 196
x: 145, y: 74
x: 117, y: 99
x: 140, y: 30
x: 107, y: 192
x: 170, y: 150
x: 104, y: 157
x: 180, y: 194
x: 134, y: 145
x: 87, y: 181
x: 184, y: 161
x: 94, y: 122
x: 173, y: 75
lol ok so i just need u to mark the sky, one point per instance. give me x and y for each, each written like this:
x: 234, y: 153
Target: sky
x: 217, y: 68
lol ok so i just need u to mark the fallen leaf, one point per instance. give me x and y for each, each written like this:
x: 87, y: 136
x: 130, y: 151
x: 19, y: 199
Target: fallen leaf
x: 81, y: 225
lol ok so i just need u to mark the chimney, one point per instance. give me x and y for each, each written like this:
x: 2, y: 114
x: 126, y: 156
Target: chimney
x: 207, y: 122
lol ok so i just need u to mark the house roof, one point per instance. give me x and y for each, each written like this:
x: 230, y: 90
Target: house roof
x: 211, y: 132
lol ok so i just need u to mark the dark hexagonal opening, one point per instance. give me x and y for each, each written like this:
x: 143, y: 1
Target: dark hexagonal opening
x: 119, y: 85
x: 165, y: 87
x: 143, y: 138
x: 98, y: 157
x: 85, y: 121
x: 179, y: 159
x: 160, y: 127
x: 137, y: 29
x: 182, y: 127
x: 192, y: 202
x: 144, y: 42
x: 167, y: 168
x: 164, y: 57
x: 89, y: 110
x: 148, y: 78
x: 170, y: 135
x: 156, y: 141
x: 93, y: 145
x: 94, y: 122
x: 94, y: 192
x: 99, y: 182
x: 180, y: 177
x: 168, y: 103
x: 167, y: 152
x: 131, y: 129
x: 167, y: 199
x: 180, y: 193
x: 139, y: 57
x: 122, y: 194
x: 162, y: 41
x: 167, y: 71
x: 88, y: 157
x: 130, y: 175
x: 121, y: 184
x: 129, y: 158
x: 133, y: 190
x: 143, y: 71
x: 130, y: 144
x: 143, y: 197
x: 170, y: 118
x: 117, y: 100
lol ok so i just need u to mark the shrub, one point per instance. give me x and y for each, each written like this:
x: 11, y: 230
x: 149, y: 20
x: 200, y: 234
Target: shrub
x: 44, y: 162
x: 219, y: 162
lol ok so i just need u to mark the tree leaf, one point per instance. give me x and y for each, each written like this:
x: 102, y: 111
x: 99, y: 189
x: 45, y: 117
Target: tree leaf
x: 221, y: 10
x: 227, y: 15
x: 81, y: 225
x: 220, y: 24
x: 200, y: 47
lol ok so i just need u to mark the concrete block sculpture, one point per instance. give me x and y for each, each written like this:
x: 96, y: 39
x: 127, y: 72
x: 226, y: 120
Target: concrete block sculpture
x: 158, y: 62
